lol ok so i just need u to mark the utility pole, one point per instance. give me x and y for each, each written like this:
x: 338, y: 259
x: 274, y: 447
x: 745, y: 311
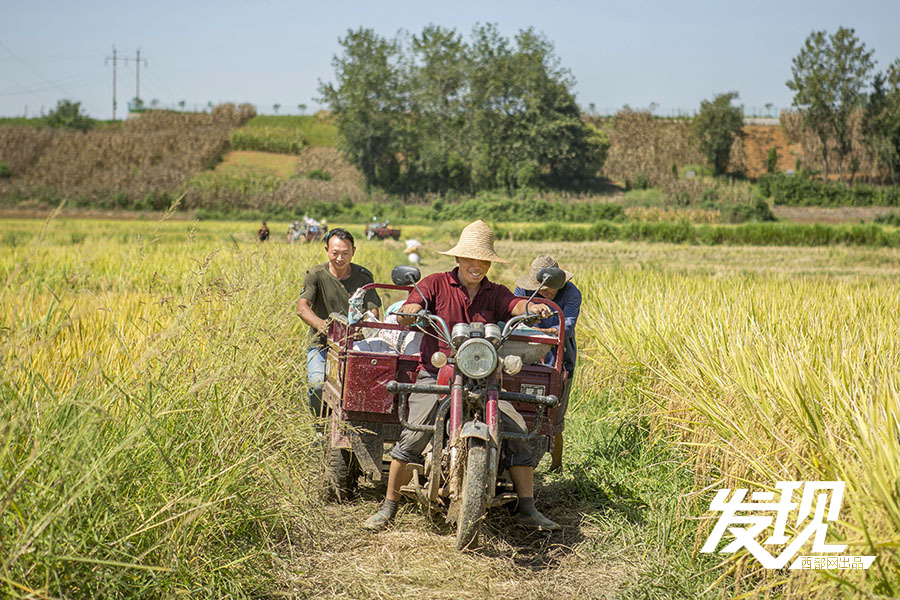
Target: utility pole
x: 137, y: 61
x: 114, y: 79
x: 126, y: 60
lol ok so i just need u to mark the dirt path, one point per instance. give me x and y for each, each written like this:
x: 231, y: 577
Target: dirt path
x: 416, y: 557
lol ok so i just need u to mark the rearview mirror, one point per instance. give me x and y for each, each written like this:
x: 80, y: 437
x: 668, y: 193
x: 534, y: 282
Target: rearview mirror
x: 408, y: 275
x: 552, y: 277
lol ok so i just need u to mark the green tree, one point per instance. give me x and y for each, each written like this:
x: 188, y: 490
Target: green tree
x: 368, y: 101
x: 829, y: 78
x: 68, y: 115
x: 437, y: 113
x: 772, y: 160
x: 435, y: 137
x: 881, y: 121
x: 523, y: 121
x: 716, y: 127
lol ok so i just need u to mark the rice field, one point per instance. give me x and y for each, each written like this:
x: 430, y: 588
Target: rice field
x: 154, y: 440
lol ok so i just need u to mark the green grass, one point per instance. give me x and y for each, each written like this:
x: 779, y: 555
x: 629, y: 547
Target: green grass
x: 313, y: 130
x: 753, y: 234
x: 636, y: 481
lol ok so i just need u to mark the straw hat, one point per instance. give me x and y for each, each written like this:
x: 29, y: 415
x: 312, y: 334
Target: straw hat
x: 530, y: 282
x: 476, y: 241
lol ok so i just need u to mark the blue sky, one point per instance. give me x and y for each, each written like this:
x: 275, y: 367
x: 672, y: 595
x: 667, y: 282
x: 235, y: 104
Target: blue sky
x: 672, y: 54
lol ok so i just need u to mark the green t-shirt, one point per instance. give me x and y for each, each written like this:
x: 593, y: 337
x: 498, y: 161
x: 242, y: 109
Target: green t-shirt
x: 327, y: 294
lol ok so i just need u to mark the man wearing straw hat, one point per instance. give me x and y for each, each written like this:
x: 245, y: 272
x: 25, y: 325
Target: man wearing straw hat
x: 568, y: 298
x: 462, y: 295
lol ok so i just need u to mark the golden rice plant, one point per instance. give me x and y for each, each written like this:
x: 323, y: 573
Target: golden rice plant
x: 762, y: 379
x: 656, y: 213
x: 152, y: 421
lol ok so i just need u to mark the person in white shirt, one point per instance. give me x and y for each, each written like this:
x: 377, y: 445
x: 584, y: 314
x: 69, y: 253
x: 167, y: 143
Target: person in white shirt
x: 413, y: 250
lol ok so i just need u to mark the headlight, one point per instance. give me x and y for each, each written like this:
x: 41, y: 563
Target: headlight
x: 476, y: 358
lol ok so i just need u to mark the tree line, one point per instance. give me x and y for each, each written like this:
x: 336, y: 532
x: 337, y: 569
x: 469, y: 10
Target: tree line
x: 435, y: 112
x: 834, y: 78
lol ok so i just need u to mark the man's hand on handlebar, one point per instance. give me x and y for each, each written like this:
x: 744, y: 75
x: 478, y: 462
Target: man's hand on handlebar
x: 408, y: 314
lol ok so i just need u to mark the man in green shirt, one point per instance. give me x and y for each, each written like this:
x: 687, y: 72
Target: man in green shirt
x: 326, y: 289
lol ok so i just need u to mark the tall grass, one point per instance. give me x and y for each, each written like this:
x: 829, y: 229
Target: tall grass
x: 152, y: 439
x: 766, y: 379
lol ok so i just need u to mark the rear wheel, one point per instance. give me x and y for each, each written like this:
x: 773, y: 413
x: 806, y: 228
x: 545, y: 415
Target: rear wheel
x: 343, y: 472
x: 396, y: 236
x: 474, y: 488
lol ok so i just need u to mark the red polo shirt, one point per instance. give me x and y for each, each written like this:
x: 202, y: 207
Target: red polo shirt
x: 448, y: 299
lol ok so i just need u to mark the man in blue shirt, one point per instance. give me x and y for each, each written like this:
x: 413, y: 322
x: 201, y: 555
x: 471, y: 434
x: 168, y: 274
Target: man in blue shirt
x: 568, y: 297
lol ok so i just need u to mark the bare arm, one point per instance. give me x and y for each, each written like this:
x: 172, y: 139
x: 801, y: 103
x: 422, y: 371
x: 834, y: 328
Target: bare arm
x: 309, y: 317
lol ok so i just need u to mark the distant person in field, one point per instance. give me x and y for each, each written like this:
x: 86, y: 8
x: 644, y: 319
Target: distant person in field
x: 568, y: 297
x: 326, y: 289
x: 413, y: 251
x: 263, y: 233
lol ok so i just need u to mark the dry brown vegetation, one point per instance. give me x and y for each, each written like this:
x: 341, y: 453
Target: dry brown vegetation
x: 153, y: 154
x: 642, y: 146
x: 415, y: 558
x: 346, y: 180
x: 858, y: 163
x: 639, y: 144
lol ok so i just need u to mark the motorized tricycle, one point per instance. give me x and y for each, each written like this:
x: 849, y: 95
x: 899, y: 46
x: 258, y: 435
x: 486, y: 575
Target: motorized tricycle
x: 366, y: 393
x: 382, y: 231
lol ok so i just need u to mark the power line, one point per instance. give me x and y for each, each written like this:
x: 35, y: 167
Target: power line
x: 41, y: 90
x: 34, y: 70
x: 68, y: 81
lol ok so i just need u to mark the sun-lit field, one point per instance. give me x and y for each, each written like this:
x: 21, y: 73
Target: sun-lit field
x: 154, y: 440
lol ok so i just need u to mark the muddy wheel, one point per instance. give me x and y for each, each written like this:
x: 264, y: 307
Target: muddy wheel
x: 343, y: 471
x: 474, y: 487
x: 396, y: 236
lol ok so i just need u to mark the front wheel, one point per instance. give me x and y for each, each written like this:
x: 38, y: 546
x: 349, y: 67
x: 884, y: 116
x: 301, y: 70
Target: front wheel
x: 474, y: 489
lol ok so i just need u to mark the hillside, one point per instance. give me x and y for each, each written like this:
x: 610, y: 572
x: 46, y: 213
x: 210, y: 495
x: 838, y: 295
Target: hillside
x: 230, y: 163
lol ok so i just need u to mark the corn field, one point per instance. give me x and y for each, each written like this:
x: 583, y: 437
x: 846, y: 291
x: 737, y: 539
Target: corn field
x: 151, y: 155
